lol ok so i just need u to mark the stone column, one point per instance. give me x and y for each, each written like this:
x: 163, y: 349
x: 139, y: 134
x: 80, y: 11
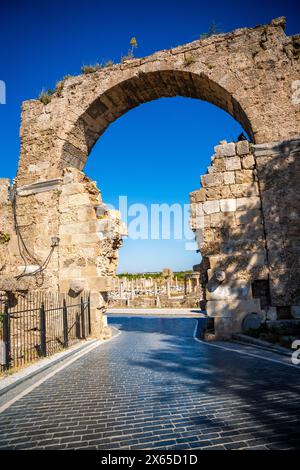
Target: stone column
x: 168, y: 289
x: 121, y: 289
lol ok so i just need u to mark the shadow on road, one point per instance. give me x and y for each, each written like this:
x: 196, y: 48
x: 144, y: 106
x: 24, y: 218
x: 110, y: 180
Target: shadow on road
x: 240, y: 391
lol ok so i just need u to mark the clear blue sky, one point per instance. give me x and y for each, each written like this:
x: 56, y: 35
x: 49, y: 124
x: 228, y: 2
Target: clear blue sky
x: 154, y: 153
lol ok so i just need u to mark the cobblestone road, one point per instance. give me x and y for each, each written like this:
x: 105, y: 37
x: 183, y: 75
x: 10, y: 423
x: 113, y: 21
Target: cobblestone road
x: 155, y: 387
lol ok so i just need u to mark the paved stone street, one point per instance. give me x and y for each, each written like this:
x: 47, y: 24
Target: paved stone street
x: 155, y: 387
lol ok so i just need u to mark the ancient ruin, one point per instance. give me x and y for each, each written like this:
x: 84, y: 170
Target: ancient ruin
x: 57, y: 234
x: 166, y: 292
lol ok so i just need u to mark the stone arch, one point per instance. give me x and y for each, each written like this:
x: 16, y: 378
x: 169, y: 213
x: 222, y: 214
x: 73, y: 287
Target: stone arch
x: 141, y: 88
x: 251, y: 73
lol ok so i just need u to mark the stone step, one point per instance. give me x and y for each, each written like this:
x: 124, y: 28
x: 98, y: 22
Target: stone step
x: 284, y: 327
x: 245, y: 339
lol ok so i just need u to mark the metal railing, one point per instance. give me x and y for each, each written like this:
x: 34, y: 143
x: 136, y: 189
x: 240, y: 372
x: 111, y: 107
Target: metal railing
x: 39, y: 326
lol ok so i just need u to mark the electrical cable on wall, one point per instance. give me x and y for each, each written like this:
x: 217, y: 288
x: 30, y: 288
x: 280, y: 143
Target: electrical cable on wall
x: 22, y: 245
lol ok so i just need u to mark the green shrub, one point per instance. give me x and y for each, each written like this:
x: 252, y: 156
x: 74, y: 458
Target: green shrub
x: 189, y: 60
x: 134, y: 45
x: 59, y: 88
x: 213, y: 30
x: 4, y: 237
x: 45, y: 96
x: 60, y: 85
x: 130, y: 55
x: 109, y: 63
x: 86, y: 69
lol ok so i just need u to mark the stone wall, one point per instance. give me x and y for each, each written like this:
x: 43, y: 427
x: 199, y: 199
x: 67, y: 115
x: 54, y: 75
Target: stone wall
x: 247, y: 223
x: 278, y: 171
x: 62, y: 238
x: 227, y: 218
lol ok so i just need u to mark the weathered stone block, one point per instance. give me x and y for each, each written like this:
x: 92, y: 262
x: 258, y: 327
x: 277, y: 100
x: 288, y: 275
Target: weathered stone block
x: 79, y: 239
x: 248, y: 217
x: 257, y: 259
x: 4, y: 187
x: 208, y: 235
x: 228, y: 205
x: 89, y: 272
x: 219, y: 164
x: 229, y: 177
x: 198, y: 196
x: 248, y: 162
x: 223, y: 328
x: 233, y: 163
x: 213, y: 179
x: 11, y: 284
x: 86, y: 213
x: 244, y: 190
x: 213, y: 193
x: 246, y: 203
x: 226, y: 291
x: 227, y: 309
x: 75, y: 200
x: 73, y: 188
x: 243, y: 176
x: 70, y: 273
x: 225, y: 150
x: 215, y: 220
x: 77, y: 286
x: 242, y: 147
x: 100, y: 283
x: 226, y: 192
x: 209, y: 207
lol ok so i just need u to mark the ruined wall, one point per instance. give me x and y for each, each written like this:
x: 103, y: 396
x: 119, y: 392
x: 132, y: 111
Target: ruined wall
x: 247, y: 223
x: 227, y: 218
x: 278, y: 171
x: 7, y: 239
x: 64, y: 240
x: 90, y: 236
x: 252, y: 74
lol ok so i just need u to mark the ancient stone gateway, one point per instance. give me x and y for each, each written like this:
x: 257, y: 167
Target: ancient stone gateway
x: 249, y: 203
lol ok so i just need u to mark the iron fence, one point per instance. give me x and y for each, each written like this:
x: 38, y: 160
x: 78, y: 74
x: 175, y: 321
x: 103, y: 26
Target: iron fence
x: 39, y: 326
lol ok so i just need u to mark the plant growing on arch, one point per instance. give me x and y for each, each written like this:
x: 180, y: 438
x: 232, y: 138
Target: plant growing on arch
x: 130, y: 55
x: 4, y: 237
x: 134, y: 45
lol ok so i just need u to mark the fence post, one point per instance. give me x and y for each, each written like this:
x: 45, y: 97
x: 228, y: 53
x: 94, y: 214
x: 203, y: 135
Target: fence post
x: 89, y: 314
x: 43, y: 346
x: 65, y: 324
x: 82, y: 307
x: 6, y: 337
x: 77, y: 326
